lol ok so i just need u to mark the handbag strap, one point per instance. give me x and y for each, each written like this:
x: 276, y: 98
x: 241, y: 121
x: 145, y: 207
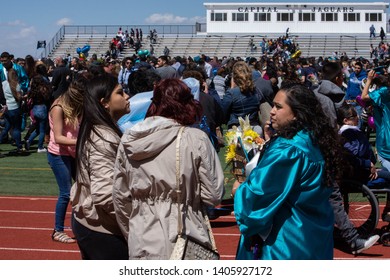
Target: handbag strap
x: 178, y: 189
x: 207, y: 221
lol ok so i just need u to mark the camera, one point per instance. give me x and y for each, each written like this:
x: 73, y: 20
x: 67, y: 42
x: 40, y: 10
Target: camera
x: 228, y: 81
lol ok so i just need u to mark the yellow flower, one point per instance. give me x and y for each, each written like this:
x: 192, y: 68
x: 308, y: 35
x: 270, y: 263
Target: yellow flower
x: 230, y: 153
x: 249, y: 139
x: 250, y: 135
x: 231, y: 136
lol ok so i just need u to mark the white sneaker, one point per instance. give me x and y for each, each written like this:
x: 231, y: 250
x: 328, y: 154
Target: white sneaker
x: 362, y: 244
x: 43, y: 150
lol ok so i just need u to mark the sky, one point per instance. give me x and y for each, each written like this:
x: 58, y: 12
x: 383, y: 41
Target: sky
x: 24, y: 22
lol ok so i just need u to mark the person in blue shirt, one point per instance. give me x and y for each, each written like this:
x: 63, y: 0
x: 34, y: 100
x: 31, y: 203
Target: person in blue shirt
x: 372, y: 31
x: 354, y: 87
x: 283, y: 209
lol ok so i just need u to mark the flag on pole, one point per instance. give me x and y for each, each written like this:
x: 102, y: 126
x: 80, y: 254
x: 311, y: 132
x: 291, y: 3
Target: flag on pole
x: 41, y: 44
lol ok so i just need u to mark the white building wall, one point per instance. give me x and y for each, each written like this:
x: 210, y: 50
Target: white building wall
x: 295, y: 26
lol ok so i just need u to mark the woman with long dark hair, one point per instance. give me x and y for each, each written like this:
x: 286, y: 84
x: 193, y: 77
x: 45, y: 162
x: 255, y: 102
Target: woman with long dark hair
x: 39, y: 94
x: 283, y: 208
x: 94, y: 223
x: 145, y: 190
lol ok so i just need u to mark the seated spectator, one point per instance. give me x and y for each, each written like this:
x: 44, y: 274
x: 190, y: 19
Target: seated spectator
x: 359, y: 153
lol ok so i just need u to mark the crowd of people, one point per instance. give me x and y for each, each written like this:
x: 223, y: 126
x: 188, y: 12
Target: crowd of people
x: 132, y: 40
x: 112, y: 126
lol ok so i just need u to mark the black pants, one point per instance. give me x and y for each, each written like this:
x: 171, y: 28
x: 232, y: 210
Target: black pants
x: 99, y: 246
x: 347, y: 230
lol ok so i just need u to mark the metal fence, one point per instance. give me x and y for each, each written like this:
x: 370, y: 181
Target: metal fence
x: 111, y: 30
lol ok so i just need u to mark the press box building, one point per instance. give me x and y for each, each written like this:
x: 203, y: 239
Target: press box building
x: 311, y: 18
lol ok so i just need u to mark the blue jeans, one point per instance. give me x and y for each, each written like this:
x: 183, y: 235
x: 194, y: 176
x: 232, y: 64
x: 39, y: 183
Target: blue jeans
x: 64, y: 168
x: 385, y: 162
x: 13, y: 119
x: 40, y: 116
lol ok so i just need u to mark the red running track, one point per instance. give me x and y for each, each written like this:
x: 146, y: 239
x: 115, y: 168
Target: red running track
x: 26, y: 224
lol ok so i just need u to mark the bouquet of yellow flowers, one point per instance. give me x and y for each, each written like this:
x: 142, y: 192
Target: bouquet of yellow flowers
x: 240, y: 141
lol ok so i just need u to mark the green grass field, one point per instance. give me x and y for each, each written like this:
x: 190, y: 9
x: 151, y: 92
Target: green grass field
x: 30, y: 174
x: 27, y: 174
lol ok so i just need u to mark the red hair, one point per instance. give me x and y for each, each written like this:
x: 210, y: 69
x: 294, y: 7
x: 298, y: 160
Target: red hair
x: 173, y: 99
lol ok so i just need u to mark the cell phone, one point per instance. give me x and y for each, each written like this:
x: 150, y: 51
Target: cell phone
x: 379, y: 69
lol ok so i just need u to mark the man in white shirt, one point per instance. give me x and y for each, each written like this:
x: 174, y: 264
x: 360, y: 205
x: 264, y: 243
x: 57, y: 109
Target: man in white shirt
x: 125, y: 72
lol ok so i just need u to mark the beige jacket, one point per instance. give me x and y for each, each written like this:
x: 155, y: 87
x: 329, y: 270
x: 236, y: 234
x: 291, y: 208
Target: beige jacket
x: 91, y: 196
x: 145, y: 186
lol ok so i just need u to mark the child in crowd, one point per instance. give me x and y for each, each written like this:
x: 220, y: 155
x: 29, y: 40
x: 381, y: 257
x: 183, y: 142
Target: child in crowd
x: 360, y: 154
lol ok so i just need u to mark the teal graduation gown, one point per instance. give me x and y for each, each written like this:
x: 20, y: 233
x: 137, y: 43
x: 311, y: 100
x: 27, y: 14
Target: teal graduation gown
x: 286, y: 202
x: 381, y: 101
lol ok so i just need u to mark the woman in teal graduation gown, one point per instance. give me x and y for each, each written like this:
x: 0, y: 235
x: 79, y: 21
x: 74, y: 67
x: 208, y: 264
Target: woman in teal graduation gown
x: 283, y: 208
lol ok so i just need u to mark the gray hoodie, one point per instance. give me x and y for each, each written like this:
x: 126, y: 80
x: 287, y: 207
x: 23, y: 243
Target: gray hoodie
x: 331, y: 97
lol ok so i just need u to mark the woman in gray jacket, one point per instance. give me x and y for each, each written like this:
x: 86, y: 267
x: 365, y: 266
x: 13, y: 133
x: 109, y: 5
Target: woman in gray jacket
x: 94, y: 224
x: 145, y: 191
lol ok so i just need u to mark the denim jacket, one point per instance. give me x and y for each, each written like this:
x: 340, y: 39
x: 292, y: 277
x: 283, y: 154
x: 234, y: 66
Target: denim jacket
x: 236, y: 104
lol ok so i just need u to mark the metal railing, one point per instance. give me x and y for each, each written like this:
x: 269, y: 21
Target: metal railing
x: 111, y: 31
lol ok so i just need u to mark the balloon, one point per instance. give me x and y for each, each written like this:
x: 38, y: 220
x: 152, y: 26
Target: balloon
x: 139, y: 105
x: 296, y: 54
x: 81, y: 56
x: 193, y: 84
x: 146, y: 52
x: 140, y: 52
x: 78, y: 50
x: 86, y: 48
x: 371, y: 122
x: 360, y: 101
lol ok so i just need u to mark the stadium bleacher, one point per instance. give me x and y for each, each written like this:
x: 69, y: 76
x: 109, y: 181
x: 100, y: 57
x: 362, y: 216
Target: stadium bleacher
x: 354, y: 45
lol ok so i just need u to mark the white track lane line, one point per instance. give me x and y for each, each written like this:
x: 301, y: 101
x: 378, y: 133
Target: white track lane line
x: 28, y: 198
x: 38, y: 250
x: 27, y: 212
